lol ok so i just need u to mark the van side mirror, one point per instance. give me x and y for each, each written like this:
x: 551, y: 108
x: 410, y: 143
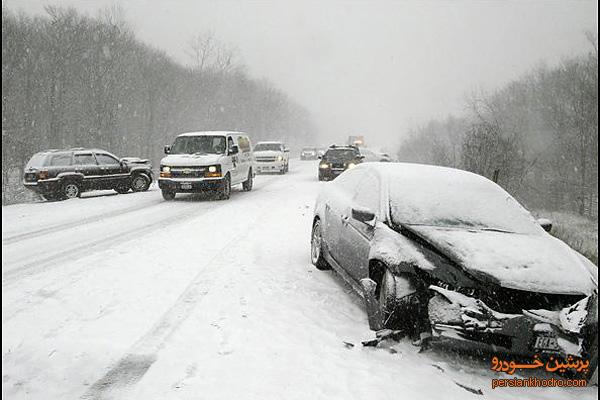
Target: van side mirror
x: 545, y: 223
x: 233, y: 150
x: 286, y: 150
x: 363, y: 214
x: 167, y: 149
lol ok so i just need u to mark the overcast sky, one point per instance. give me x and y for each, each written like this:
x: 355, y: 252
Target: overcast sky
x: 376, y: 68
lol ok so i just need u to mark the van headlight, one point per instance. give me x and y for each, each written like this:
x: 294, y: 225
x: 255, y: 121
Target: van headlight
x: 165, y: 171
x: 324, y: 166
x: 165, y: 168
x: 280, y: 158
x: 213, y: 171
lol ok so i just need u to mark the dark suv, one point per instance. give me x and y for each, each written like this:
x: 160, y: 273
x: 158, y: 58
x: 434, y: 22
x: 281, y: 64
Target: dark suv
x: 337, y: 159
x: 65, y: 174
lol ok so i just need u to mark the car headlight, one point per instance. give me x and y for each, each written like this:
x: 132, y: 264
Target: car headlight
x: 166, y: 168
x: 212, y: 168
x: 279, y: 158
x: 351, y: 165
x: 324, y: 166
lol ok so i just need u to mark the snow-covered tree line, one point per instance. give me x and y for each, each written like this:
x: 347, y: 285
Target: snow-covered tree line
x: 537, y: 136
x: 70, y: 80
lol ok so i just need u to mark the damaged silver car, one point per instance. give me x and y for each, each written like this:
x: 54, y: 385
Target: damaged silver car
x: 449, y: 255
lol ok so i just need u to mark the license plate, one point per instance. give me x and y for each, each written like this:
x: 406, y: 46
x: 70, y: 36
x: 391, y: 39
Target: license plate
x: 546, y: 343
x: 186, y: 186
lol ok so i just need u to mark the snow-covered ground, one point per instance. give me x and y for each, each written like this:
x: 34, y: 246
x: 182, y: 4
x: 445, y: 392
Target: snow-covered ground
x: 130, y: 297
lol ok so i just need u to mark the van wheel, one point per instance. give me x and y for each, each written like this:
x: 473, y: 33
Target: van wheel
x: 70, y: 190
x: 226, y: 188
x: 168, y: 196
x: 247, y: 186
x: 140, y: 183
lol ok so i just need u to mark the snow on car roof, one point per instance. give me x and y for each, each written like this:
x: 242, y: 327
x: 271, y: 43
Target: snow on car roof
x: 440, y: 196
x: 211, y: 133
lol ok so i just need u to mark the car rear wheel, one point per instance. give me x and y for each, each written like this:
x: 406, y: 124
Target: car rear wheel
x: 167, y: 195
x: 140, y: 183
x: 316, y: 248
x: 70, y: 190
x: 247, y: 186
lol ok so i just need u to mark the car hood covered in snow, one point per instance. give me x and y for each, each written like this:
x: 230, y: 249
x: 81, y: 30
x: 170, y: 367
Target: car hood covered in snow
x: 532, y: 262
x: 191, y: 160
x: 267, y: 153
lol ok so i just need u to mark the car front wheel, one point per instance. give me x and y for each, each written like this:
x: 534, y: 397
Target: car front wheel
x: 316, y: 248
x: 140, y: 183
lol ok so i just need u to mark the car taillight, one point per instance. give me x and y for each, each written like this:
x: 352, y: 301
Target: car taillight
x: 43, y: 174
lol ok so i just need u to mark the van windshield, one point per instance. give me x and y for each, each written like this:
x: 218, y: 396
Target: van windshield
x: 199, y: 145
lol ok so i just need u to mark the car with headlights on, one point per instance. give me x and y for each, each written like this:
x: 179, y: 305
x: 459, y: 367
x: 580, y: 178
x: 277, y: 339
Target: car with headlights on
x: 207, y: 162
x: 271, y: 157
x: 309, y: 153
x: 337, y: 159
x: 449, y: 256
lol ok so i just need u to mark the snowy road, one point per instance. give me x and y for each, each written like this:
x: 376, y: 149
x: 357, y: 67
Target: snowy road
x: 131, y: 297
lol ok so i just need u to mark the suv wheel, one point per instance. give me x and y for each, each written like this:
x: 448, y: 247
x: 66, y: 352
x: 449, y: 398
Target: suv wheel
x: 140, y: 183
x: 122, y: 190
x: 247, y: 186
x: 226, y: 188
x: 168, y: 195
x: 71, y: 190
x: 316, y: 248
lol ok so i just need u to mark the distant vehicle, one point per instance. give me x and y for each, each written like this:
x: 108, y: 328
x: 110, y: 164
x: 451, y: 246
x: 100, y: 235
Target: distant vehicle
x: 65, y: 174
x: 449, y: 255
x: 358, y: 141
x: 321, y: 152
x: 207, y: 162
x: 374, y: 156
x: 309, y: 153
x: 337, y: 159
x: 271, y: 157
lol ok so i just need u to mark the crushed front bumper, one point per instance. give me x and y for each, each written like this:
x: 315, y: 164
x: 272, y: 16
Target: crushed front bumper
x: 567, y: 332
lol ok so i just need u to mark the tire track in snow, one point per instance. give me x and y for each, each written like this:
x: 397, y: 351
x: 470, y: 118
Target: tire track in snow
x: 74, y: 224
x: 44, y: 264
x: 131, y: 368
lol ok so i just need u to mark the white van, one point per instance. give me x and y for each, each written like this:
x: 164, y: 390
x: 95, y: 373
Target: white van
x: 207, y: 161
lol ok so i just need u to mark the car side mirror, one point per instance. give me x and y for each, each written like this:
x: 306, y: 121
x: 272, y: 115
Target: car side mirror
x: 360, y: 157
x: 545, y: 223
x: 167, y: 149
x: 363, y: 214
x: 233, y: 150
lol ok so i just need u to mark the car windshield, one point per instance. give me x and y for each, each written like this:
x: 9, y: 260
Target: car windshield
x: 268, y: 147
x: 340, y: 154
x: 199, y: 145
x: 444, y: 197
